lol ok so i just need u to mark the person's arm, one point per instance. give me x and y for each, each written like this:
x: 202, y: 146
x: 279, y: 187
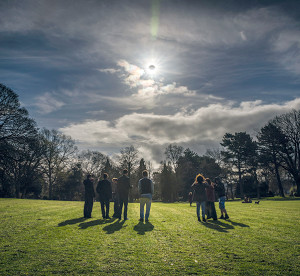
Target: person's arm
x: 140, y: 187
x: 152, y: 187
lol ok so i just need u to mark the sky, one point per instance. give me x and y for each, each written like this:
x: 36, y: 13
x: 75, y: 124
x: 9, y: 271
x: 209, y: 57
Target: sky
x: 82, y: 67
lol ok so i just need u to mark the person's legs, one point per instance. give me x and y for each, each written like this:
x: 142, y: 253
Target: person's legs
x: 121, y: 202
x: 88, y: 207
x: 222, y: 206
x: 125, y: 208
x: 148, y: 207
x: 102, y: 208
x: 107, y: 209
x: 203, y: 209
x: 142, y: 206
x: 198, y: 209
x: 116, y: 206
x: 213, y: 211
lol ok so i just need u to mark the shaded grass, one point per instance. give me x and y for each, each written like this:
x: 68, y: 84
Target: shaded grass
x: 52, y: 237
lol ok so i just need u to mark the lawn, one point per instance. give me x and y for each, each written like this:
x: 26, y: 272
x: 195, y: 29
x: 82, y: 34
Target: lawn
x: 52, y: 237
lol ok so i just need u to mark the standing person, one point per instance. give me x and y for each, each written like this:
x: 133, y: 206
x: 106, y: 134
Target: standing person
x: 190, y: 198
x: 115, y: 197
x: 210, y: 203
x: 89, y: 194
x: 104, y: 191
x: 220, y: 190
x: 146, y: 190
x: 123, y: 191
x: 200, y: 195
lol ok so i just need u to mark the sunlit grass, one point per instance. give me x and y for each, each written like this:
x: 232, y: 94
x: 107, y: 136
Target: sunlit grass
x: 51, y: 237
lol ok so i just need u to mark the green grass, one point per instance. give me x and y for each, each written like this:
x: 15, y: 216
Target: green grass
x: 51, y: 237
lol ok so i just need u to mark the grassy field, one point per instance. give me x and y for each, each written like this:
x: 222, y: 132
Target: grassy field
x: 52, y: 237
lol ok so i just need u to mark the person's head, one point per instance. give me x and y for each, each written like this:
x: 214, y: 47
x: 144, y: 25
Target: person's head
x: 88, y: 176
x: 115, y: 180
x: 208, y: 181
x: 105, y: 175
x: 125, y: 171
x: 217, y: 180
x: 145, y: 173
x: 199, y: 178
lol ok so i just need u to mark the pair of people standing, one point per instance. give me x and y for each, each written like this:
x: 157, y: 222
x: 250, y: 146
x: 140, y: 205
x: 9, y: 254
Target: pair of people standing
x: 118, y: 191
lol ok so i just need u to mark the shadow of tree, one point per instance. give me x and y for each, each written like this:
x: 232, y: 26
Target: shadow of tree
x: 85, y: 225
x: 116, y: 226
x: 142, y: 228
x: 71, y: 221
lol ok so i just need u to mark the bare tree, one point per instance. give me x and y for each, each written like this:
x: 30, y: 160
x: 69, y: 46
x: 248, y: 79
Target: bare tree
x: 173, y: 153
x: 129, y: 158
x: 92, y: 162
x: 59, y: 150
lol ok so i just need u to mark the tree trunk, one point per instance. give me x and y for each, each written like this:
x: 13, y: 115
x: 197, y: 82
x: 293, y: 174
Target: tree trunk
x: 279, y: 181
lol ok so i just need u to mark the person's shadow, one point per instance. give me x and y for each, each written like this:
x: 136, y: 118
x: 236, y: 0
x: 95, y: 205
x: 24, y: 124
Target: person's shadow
x: 116, y: 226
x: 71, y: 221
x: 238, y: 223
x: 142, y: 228
x: 96, y: 222
x: 218, y: 225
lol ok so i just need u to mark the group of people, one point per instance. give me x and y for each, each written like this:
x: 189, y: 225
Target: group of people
x: 118, y: 191
x: 204, y: 193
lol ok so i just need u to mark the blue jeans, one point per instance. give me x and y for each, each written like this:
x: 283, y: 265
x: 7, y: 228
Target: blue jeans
x: 202, y: 204
x: 143, y: 201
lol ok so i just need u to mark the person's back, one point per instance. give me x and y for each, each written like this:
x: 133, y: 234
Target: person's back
x: 146, y: 189
x: 123, y: 186
x: 200, y: 192
x: 88, y: 196
x: 104, y: 189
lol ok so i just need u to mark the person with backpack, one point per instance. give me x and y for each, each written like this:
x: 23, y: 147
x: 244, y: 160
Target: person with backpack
x: 146, y: 190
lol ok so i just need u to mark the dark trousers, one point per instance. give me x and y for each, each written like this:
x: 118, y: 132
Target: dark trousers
x: 88, y: 206
x: 211, y: 210
x: 123, y: 201
x: 116, y: 205
x: 105, y: 205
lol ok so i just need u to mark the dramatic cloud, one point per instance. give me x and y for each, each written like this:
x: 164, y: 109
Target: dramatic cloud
x: 205, y: 126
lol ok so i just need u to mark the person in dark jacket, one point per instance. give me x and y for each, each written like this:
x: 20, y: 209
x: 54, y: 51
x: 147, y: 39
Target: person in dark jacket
x: 89, y: 194
x: 123, y: 187
x: 105, y: 194
x: 210, y: 203
x: 220, y: 190
x: 146, y: 190
x: 200, y: 195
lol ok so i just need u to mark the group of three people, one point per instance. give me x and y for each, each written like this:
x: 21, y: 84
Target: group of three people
x: 204, y: 195
x: 118, y: 190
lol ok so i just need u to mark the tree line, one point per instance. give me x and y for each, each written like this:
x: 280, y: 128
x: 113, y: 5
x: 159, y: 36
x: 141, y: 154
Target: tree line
x: 42, y: 163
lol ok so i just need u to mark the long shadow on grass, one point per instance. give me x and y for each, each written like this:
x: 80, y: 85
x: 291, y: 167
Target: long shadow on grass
x: 72, y: 221
x: 142, y: 228
x: 238, y: 223
x: 96, y: 222
x: 116, y: 226
x: 218, y: 225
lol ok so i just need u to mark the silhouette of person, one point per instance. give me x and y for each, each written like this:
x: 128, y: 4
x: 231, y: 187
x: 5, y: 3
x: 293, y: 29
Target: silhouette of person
x: 200, y: 195
x: 210, y: 203
x: 220, y: 190
x: 146, y: 189
x: 88, y: 196
x: 105, y: 193
x: 115, y: 198
x: 123, y: 187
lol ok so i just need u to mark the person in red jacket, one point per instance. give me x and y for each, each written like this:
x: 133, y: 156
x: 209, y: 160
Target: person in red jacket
x: 210, y: 203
